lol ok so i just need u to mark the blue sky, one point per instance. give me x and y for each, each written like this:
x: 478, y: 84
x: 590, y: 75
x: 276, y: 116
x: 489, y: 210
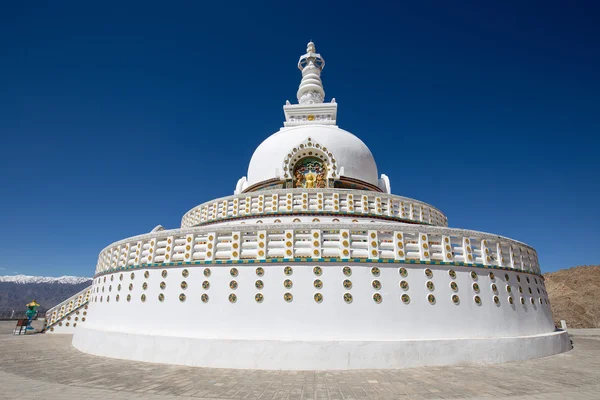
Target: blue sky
x: 118, y: 116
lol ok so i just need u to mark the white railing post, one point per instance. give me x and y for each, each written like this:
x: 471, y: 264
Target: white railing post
x: 289, y: 204
x: 304, y: 201
x: 261, y: 239
x: 247, y: 205
x: 500, y: 254
x: 364, y: 205
x: 189, y: 247
x: 485, y: 257
x: 224, y: 209
x: 447, y: 249
x: 345, y: 243
x: 211, y: 241
x: 378, y: 209
x: 315, y: 243
x: 373, y: 245
x: 235, y: 209
x: 235, y: 245
x: 336, y: 202
x: 399, y: 252
x: 152, y: 250
x: 467, y: 251
x: 289, y: 243
x: 401, y: 210
x: 114, y: 256
x: 512, y: 257
x: 169, y: 249
x: 424, y: 251
x: 137, y: 253
x: 320, y: 201
x: 213, y: 214
x: 261, y: 204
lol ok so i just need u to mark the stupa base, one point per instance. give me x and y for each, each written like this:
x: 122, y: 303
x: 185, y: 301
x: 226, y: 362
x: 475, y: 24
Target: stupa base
x: 317, y: 355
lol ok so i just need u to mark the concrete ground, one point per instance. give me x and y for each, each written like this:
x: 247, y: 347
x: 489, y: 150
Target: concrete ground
x: 47, y: 366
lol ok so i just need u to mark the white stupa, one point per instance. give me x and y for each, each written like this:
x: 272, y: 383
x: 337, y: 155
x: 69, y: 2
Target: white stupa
x: 314, y: 264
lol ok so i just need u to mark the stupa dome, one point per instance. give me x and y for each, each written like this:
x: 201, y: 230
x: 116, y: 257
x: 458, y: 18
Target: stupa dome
x: 351, y: 156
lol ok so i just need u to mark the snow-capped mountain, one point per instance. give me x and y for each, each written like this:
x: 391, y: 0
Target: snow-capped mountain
x: 69, y: 280
x: 18, y: 290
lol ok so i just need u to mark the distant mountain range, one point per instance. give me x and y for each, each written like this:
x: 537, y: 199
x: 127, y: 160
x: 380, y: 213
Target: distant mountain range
x: 18, y: 290
x: 70, y: 280
x: 573, y: 295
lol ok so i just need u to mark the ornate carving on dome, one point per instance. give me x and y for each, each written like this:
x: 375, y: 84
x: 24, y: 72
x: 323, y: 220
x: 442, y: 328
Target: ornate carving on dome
x: 310, y: 165
x: 309, y: 173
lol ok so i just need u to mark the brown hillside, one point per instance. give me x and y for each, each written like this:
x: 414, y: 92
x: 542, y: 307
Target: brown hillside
x: 574, y: 296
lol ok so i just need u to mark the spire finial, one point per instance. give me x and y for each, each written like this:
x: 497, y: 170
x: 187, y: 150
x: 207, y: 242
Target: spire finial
x: 311, y: 88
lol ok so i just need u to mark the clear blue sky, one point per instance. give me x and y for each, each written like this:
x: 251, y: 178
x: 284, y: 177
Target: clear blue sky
x: 118, y: 116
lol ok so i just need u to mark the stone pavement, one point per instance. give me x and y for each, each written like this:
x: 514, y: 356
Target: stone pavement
x: 47, y: 366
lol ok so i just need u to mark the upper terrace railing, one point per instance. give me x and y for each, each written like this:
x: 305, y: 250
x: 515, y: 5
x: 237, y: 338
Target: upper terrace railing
x: 314, y: 201
x: 370, y: 241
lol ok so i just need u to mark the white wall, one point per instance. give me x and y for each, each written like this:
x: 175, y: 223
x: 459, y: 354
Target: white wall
x: 333, y: 319
x: 317, y: 355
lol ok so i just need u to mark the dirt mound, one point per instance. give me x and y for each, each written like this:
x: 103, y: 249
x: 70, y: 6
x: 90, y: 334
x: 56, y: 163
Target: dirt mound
x: 574, y: 296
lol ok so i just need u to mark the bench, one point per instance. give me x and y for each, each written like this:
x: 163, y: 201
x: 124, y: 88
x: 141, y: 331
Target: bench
x: 21, y: 326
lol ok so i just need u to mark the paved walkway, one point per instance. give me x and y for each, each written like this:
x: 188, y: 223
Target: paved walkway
x: 47, y: 366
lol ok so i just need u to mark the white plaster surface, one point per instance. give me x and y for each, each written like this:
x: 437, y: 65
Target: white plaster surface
x: 317, y: 355
x: 304, y: 334
x: 304, y: 319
